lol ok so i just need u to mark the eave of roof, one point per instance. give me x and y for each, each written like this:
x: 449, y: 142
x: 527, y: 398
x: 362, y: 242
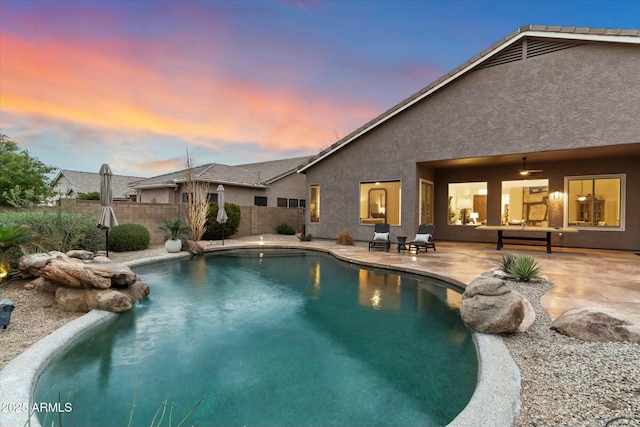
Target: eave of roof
x: 542, y: 31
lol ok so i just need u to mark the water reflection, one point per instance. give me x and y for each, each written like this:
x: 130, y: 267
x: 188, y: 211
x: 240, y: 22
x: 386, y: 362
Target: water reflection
x: 379, y: 291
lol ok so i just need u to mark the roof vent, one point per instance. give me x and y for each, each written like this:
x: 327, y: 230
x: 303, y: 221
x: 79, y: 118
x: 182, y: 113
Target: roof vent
x: 528, y: 48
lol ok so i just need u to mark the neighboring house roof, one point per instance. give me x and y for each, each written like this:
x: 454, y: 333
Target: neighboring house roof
x: 498, y: 53
x: 87, y: 182
x: 256, y: 175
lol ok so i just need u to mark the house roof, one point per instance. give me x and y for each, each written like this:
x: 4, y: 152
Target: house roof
x: 87, y: 182
x: 568, y: 34
x: 256, y: 175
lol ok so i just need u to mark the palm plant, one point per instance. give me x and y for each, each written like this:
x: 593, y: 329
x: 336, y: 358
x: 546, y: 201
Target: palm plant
x: 15, y: 241
x: 173, y: 229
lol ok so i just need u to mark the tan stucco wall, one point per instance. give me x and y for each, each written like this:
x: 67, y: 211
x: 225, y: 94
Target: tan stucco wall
x: 585, y: 96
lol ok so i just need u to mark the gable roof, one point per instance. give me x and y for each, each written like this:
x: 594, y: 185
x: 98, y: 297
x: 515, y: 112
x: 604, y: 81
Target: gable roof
x: 498, y: 53
x: 87, y: 182
x: 256, y: 175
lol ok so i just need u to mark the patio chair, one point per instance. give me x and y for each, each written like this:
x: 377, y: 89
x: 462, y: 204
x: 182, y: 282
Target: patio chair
x: 423, y: 239
x: 380, y: 237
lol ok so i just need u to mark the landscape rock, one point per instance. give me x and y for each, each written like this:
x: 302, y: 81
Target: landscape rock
x: 82, y: 282
x: 596, y: 324
x: 43, y: 285
x: 84, y: 300
x: 192, y: 247
x: 80, y: 254
x: 489, y: 306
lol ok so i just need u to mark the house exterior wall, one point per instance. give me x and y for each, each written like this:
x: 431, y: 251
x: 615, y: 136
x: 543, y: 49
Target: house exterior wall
x: 585, y: 96
x: 62, y: 187
x: 291, y: 187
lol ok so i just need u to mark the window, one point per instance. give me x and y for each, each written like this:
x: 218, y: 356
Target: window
x: 282, y: 202
x: 467, y: 203
x: 595, y: 202
x: 525, y: 201
x: 260, y: 201
x: 314, y: 203
x: 293, y: 203
x: 303, y: 203
x: 380, y: 202
x: 211, y: 197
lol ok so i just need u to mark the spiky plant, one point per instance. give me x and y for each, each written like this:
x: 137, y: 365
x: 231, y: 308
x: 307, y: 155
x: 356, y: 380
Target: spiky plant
x: 15, y: 241
x: 525, y: 268
x: 507, y: 262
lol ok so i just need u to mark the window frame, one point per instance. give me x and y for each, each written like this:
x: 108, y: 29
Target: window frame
x: 314, y: 211
x: 381, y: 181
x: 623, y: 201
x: 260, y: 198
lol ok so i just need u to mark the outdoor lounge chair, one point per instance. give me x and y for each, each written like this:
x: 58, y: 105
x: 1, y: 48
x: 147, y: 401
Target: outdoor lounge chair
x: 380, y: 237
x: 423, y: 239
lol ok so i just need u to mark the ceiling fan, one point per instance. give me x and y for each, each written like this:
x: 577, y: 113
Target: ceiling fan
x: 524, y: 171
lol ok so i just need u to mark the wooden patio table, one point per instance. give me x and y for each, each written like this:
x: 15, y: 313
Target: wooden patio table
x: 518, y: 233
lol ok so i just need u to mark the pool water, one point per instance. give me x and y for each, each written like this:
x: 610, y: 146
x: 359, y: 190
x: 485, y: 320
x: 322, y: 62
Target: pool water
x: 271, y: 339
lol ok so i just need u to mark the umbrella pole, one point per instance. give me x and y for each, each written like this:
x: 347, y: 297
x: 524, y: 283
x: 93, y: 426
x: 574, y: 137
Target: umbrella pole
x: 223, y: 235
x: 107, y: 241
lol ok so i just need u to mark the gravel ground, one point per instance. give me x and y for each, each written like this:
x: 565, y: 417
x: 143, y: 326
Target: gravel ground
x: 565, y: 382
x: 568, y: 382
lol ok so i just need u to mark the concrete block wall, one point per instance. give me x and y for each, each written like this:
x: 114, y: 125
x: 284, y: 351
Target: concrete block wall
x: 254, y: 219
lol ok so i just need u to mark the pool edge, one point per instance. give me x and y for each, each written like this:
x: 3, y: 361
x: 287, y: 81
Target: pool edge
x: 495, y: 401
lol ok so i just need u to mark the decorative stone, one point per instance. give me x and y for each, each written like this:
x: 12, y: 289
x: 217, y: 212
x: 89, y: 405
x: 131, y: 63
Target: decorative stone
x: 84, y: 285
x: 30, y: 265
x: 489, y: 306
x: 596, y: 324
x: 192, y: 247
x: 79, y: 254
x: 85, y: 300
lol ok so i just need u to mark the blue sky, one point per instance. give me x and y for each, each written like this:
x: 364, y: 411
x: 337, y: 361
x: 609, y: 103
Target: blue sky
x: 137, y: 83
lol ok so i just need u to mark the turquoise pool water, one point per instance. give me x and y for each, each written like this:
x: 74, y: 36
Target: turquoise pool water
x: 272, y: 339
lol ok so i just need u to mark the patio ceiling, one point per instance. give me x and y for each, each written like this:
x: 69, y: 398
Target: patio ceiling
x: 542, y: 156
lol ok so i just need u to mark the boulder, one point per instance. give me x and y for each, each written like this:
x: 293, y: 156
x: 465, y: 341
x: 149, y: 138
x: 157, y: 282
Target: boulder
x: 84, y: 284
x: 489, y: 306
x: 596, y: 324
x: 30, y: 265
x: 80, y: 254
x: 85, y: 300
x: 192, y: 247
x: 74, y: 273
x: 43, y: 285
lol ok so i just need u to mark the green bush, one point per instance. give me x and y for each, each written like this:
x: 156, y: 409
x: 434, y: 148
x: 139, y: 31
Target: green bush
x: 61, y: 231
x: 129, y: 237
x: 215, y: 229
x: 305, y: 237
x: 525, y: 268
x: 285, y: 229
x: 93, y: 195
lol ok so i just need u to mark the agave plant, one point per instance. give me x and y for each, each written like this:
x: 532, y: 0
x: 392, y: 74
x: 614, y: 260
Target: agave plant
x: 525, y: 268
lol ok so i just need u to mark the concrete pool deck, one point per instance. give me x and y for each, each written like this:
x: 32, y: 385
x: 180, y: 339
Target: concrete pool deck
x: 581, y: 278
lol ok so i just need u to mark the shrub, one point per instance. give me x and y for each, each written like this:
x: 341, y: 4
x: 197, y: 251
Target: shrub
x: 507, y: 262
x: 59, y: 231
x: 305, y: 237
x: 173, y: 230
x: 93, y: 195
x: 345, y: 238
x: 525, y: 268
x: 129, y: 237
x: 285, y: 229
x: 215, y: 229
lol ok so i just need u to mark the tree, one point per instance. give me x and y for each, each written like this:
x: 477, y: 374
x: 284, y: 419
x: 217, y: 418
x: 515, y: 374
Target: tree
x: 23, y: 178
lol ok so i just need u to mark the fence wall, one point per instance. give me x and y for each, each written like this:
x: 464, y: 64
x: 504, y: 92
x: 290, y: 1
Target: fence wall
x: 254, y: 220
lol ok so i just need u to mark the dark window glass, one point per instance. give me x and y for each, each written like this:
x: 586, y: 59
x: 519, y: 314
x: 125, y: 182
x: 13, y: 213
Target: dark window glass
x: 293, y: 203
x: 282, y: 203
x: 260, y: 201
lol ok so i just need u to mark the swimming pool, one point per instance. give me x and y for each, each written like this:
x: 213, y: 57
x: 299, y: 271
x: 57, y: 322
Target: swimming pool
x: 273, y: 338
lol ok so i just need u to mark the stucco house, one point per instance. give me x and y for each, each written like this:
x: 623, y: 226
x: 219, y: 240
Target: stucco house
x: 71, y: 184
x: 567, y: 99
x: 272, y: 183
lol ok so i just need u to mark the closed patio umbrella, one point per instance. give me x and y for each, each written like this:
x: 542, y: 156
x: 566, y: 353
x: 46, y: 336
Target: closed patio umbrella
x: 107, y: 218
x: 222, y: 214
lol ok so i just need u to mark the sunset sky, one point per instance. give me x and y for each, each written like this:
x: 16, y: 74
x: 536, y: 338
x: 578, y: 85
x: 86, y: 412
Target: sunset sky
x: 136, y: 83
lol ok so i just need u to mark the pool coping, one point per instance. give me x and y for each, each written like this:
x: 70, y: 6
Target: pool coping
x: 495, y: 401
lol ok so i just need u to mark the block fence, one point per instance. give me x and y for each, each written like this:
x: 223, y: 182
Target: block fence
x: 254, y: 220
